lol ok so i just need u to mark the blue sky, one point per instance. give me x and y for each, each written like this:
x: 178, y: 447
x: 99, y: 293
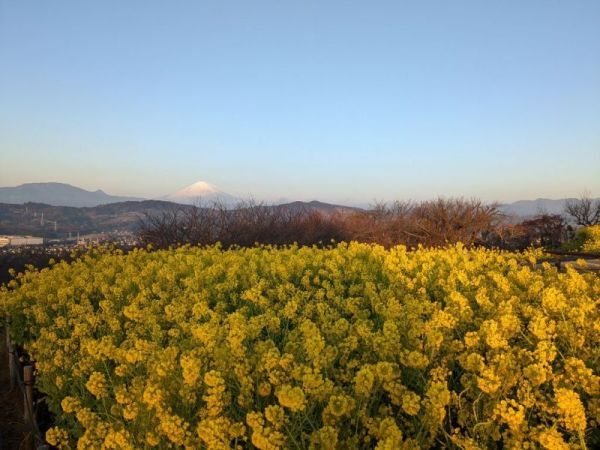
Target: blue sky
x: 346, y: 101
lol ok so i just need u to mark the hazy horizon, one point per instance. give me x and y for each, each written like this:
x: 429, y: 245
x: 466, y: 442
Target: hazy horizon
x: 344, y: 202
x: 343, y: 102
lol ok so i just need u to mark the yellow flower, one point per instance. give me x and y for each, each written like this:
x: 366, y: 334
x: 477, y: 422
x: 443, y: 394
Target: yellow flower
x: 215, y: 394
x: 553, y: 300
x: 488, y: 381
x: 152, y: 396
x: 364, y: 381
x: 70, y: 404
x: 537, y: 373
x: 174, y: 428
x: 152, y: 439
x: 411, y: 403
x: 338, y: 406
x: 386, y: 371
x: 191, y: 369
x: 511, y: 413
x: 438, y: 397
x: 493, y: 334
x: 292, y: 398
x: 325, y: 438
x: 97, y: 385
x: 264, y: 389
x: 471, y: 339
x: 57, y: 437
x: 551, y: 439
x: 276, y: 415
x: 570, y: 409
x: 416, y: 360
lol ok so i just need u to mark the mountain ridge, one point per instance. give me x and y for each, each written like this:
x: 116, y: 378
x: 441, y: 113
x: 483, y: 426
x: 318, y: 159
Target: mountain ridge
x: 204, y: 193
x: 528, y: 208
x: 59, y: 194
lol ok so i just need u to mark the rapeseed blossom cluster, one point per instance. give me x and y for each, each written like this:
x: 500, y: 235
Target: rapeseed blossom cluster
x: 592, y: 241
x: 348, y: 347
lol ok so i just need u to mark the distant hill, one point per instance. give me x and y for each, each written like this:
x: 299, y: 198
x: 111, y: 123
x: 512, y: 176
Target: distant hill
x: 325, y: 208
x: 527, y: 208
x: 39, y: 219
x: 58, y: 194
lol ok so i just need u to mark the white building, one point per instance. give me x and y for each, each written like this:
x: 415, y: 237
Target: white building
x: 20, y: 240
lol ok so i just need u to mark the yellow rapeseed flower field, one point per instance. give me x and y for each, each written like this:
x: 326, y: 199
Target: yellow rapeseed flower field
x: 347, y: 347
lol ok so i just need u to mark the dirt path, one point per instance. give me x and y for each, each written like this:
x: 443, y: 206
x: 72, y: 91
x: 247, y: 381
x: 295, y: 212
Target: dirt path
x: 13, y: 430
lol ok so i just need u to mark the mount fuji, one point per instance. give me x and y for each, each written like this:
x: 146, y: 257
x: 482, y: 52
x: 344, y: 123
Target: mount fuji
x: 201, y: 193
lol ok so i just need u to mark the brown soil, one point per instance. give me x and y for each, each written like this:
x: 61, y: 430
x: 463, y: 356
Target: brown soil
x: 14, y: 433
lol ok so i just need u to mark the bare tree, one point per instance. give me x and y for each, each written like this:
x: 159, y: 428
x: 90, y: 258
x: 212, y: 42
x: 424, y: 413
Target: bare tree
x: 443, y: 221
x: 245, y: 225
x: 584, y: 210
x: 430, y: 223
x: 438, y: 222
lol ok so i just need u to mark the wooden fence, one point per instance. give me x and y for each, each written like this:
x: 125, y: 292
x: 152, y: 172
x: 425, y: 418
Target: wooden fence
x: 560, y: 258
x: 22, y: 377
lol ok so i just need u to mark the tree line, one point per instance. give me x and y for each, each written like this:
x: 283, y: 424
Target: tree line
x: 428, y: 223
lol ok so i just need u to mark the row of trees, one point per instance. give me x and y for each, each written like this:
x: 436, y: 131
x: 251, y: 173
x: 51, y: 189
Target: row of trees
x: 429, y: 223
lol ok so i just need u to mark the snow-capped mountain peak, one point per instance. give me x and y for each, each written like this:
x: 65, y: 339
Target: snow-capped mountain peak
x: 201, y: 192
x: 198, y: 189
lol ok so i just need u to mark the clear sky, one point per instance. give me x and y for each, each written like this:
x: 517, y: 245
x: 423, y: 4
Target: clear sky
x: 335, y: 100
